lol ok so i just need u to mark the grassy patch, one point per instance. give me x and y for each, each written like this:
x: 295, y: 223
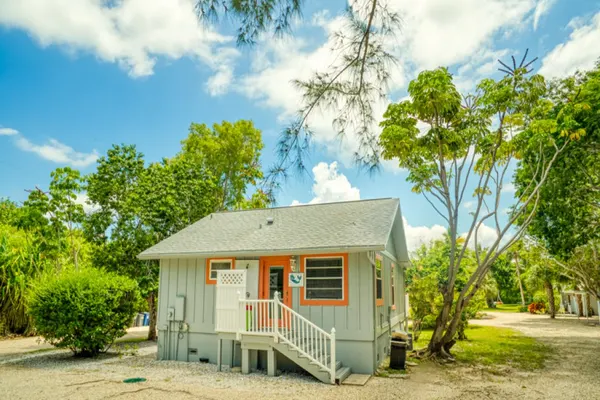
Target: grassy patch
x: 492, y: 346
x: 508, y: 308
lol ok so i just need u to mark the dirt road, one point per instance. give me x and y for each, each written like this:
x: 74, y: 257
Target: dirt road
x: 572, y: 373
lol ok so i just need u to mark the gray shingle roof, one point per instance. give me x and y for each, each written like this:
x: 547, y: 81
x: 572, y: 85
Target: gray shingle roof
x: 319, y: 227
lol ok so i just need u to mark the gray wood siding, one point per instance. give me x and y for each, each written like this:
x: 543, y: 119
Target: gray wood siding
x: 186, y: 276
x: 390, y: 247
x: 384, y: 314
x: 352, y: 322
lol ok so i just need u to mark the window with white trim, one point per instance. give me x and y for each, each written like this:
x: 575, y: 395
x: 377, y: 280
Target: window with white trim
x: 379, y: 277
x: 324, y: 278
x: 218, y: 265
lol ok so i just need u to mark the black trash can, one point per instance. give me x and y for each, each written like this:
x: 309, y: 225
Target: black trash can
x: 410, y: 342
x: 398, y: 355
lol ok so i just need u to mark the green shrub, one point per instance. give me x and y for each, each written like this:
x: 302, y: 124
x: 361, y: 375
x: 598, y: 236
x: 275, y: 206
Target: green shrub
x: 85, y: 310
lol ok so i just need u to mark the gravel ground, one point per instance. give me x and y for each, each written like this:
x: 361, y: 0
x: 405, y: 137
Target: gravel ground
x: 14, y: 346
x: 572, y: 373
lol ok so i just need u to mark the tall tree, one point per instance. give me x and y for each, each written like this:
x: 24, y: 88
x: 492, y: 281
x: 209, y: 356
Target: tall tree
x: 514, y: 255
x: 231, y: 153
x: 430, y: 274
x: 115, y: 227
x: 542, y: 271
x: 139, y: 205
x: 503, y: 272
x: 569, y: 207
x: 469, y: 144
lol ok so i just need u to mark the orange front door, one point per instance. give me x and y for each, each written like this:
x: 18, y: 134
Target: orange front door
x: 274, y: 272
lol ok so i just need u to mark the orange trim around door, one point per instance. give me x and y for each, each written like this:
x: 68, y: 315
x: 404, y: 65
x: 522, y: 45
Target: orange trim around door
x: 265, y: 264
x: 309, y: 302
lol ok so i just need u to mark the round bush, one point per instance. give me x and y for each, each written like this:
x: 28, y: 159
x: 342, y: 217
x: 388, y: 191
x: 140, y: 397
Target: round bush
x: 84, y: 310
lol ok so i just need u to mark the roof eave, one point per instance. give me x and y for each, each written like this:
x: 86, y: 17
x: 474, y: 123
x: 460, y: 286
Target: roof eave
x: 263, y: 252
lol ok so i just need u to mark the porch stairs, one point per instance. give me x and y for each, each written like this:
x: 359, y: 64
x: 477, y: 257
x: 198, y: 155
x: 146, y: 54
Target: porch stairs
x: 301, y: 356
x: 269, y: 324
x: 276, y: 325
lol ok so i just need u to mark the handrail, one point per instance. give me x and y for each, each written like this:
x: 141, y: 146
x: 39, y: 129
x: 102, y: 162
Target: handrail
x: 273, y: 318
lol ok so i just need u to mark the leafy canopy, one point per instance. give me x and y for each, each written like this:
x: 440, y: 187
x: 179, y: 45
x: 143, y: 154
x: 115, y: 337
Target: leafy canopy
x: 568, y: 214
x: 230, y: 152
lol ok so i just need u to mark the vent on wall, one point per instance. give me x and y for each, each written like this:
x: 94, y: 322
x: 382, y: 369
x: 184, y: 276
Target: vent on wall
x: 193, y: 351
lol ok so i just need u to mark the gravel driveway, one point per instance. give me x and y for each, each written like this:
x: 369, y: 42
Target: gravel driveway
x: 573, y: 373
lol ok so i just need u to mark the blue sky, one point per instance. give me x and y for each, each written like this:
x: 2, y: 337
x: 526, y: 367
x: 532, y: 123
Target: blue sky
x: 74, y: 81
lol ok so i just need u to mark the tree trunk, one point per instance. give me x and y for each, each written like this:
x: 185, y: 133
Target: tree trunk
x: 519, y: 279
x: 550, y: 294
x: 152, y: 317
x: 442, y: 339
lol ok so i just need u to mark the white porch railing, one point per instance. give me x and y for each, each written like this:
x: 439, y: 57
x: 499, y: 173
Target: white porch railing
x: 275, y: 319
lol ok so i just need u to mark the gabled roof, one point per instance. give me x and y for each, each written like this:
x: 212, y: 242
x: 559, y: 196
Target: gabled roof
x: 318, y: 228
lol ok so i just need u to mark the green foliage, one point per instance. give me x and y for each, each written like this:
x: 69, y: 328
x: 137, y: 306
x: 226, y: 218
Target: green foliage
x: 83, y: 310
x: 255, y: 17
x: 42, y: 235
x: 503, y: 272
x: 174, y: 194
x: 455, y: 146
x: 9, y: 212
x: 21, y: 262
x: 424, y: 281
x: 230, y: 152
x: 584, y: 264
x: 567, y: 215
x: 137, y: 206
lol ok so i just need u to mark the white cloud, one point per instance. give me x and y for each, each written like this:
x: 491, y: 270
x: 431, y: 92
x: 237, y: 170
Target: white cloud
x: 131, y: 33
x: 416, y: 236
x: 220, y: 82
x: 442, y: 33
x: 486, y: 236
x: 466, y: 26
x: 330, y: 185
x: 508, y: 187
x: 468, y: 204
x: 88, y: 207
x: 541, y: 8
x: 8, y: 132
x: 578, y: 52
x: 57, y: 152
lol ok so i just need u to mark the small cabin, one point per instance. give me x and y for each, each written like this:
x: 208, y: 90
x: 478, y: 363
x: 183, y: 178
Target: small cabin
x: 316, y: 287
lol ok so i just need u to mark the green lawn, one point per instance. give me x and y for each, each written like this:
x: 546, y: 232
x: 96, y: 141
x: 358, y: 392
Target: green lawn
x: 509, y: 308
x: 491, y: 346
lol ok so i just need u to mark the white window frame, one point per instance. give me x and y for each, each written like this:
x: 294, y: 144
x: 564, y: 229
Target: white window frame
x: 379, y: 257
x: 306, y: 278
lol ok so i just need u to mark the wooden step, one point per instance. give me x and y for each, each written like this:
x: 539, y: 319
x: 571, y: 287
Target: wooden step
x: 341, y: 374
x: 338, y: 365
